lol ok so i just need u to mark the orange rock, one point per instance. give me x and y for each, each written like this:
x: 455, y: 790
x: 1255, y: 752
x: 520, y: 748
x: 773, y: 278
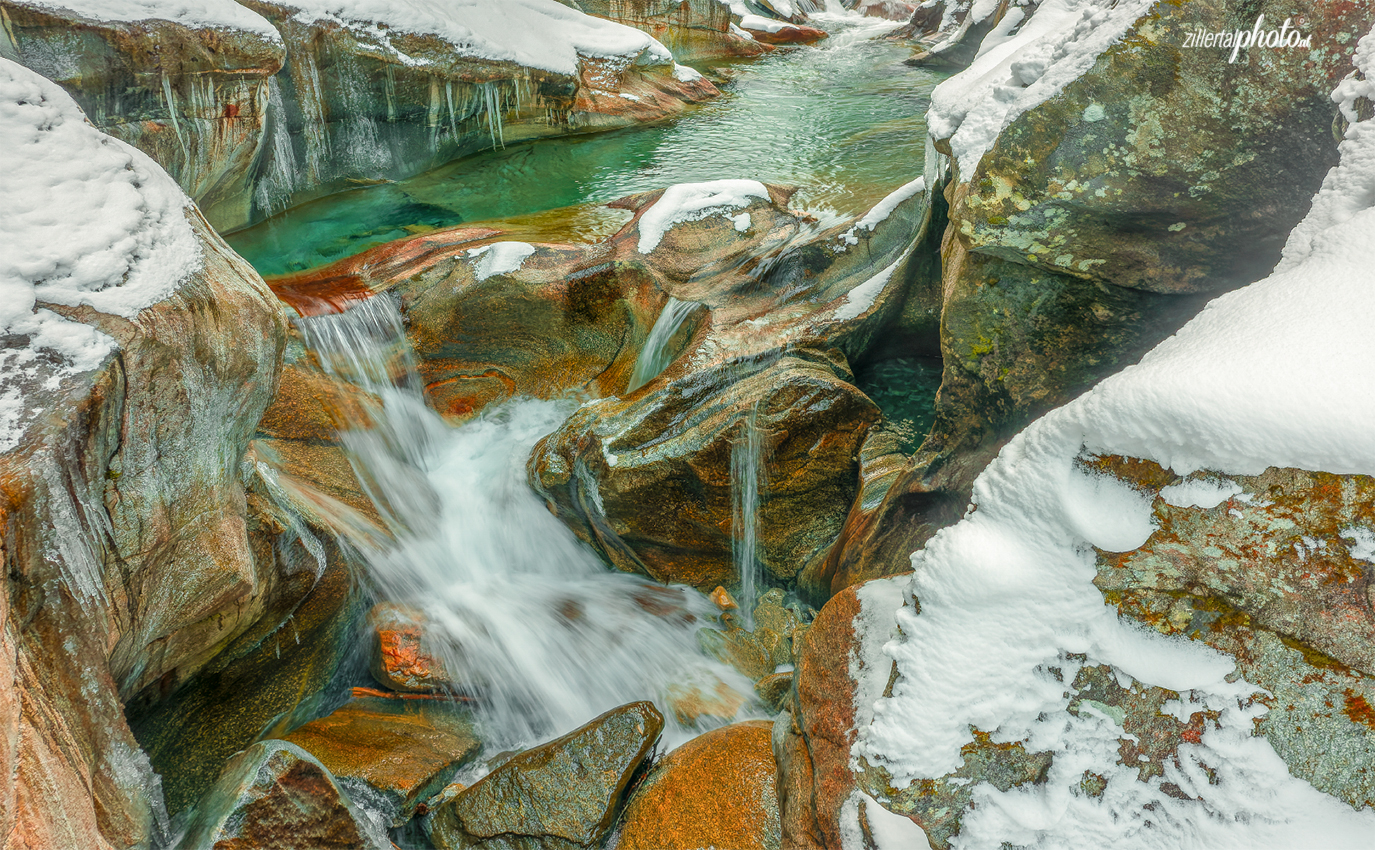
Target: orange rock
x: 723, y: 599
x: 692, y: 702
x: 405, y: 750
x: 814, y: 756
x: 788, y: 34
x: 400, y: 659
x: 718, y: 790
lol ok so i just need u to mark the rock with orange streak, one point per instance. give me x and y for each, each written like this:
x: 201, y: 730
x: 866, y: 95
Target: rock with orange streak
x: 718, y: 790
x: 400, y: 659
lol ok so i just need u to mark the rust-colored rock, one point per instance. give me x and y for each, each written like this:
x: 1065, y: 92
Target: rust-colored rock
x: 404, y: 751
x: 400, y: 659
x: 786, y: 34
x: 717, y: 790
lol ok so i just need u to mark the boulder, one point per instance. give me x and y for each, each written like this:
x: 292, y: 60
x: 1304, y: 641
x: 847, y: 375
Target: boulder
x: 695, y: 30
x: 393, y: 753
x: 892, y: 10
x: 1268, y: 569
x: 150, y: 350
x: 561, y: 795
x: 400, y: 659
x: 274, y: 794
x: 1099, y: 221
x: 717, y: 790
x: 767, y: 31
x: 670, y: 445
x: 840, y: 671
x: 947, y: 33
x: 191, y: 91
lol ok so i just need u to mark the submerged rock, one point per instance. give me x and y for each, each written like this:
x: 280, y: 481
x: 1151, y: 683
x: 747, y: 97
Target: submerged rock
x: 717, y: 790
x: 560, y: 795
x: 274, y: 794
x: 391, y: 753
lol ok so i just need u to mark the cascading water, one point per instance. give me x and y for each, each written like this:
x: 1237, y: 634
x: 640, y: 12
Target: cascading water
x: 524, y: 616
x: 747, y: 478
x: 655, y: 355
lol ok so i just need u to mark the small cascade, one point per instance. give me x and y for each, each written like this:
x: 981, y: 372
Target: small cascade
x: 655, y: 356
x: 310, y: 99
x: 747, y: 480
x: 525, y: 617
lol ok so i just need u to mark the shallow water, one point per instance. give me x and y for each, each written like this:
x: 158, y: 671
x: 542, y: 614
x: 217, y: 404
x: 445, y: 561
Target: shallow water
x: 843, y: 120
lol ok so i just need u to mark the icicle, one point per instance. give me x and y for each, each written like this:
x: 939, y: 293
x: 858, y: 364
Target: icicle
x: 171, y: 101
x: 389, y: 85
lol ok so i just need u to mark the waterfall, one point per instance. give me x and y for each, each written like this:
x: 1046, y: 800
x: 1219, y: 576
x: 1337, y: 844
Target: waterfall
x: 525, y: 617
x: 747, y: 478
x: 655, y: 356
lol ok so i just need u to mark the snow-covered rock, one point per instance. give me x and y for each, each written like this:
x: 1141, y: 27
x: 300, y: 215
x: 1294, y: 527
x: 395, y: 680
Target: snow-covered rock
x: 695, y: 30
x: 139, y: 352
x: 186, y: 83
x: 1218, y: 495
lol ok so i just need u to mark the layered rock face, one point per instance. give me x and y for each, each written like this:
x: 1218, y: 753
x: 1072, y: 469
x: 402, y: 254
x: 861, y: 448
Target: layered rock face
x: 191, y: 91
x: 261, y: 106
x: 693, y: 29
x: 364, y: 99
x: 151, y: 350
x: 1099, y: 220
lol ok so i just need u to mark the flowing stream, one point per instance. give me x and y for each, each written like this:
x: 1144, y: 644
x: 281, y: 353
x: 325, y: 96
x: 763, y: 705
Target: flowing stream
x: 844, y: 120
x: 525, y: 617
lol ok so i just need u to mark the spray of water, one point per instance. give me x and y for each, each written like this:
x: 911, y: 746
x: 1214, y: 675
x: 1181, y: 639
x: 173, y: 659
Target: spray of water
x: 523, y: 615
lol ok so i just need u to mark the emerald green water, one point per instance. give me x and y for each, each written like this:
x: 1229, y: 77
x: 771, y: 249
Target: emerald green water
x: 903, y: 388
x: 842, y: 120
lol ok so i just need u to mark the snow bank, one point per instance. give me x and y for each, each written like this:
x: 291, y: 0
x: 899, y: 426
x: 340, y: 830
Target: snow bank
x: 84, y: 219
x: 1275, y: 374
x: 196, y: 14
x: 1015, y: 73
x: 536, y: 33
x: 694, y: 202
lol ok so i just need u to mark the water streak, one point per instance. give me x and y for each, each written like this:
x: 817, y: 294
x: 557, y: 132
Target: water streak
x: 655, y: 356
x: 524, y: 615
x: 748, y: 477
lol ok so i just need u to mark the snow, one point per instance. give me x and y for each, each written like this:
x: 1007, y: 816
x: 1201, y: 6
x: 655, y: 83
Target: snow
x: 1199, y: 493
x: 1014, y: 74
x: 694, y: 202
x: 762, y: 24
x: 1273, y: 374
x: 882, y: 210
x: 499, y: 258
x: 84, y: 220
x: 862, y: 297
x: 196, y: 14
x: 684, y: 74
x: 535, y: 33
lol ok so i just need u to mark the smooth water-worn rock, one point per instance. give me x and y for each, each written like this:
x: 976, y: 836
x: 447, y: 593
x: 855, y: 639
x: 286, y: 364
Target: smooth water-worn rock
x: 392, y: 753
x: 948, y: 33
x: 192, y: 94
x: 364, y: 100
x: 558, y: 796
x: 401, y: 660
x: 1103, y: 219
x: 646, y: 479
x: 717, y: 790
x: 274, y: 794
x: 124, y: 517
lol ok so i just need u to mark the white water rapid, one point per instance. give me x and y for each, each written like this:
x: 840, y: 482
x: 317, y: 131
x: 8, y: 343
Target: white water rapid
x: 527, y: 619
